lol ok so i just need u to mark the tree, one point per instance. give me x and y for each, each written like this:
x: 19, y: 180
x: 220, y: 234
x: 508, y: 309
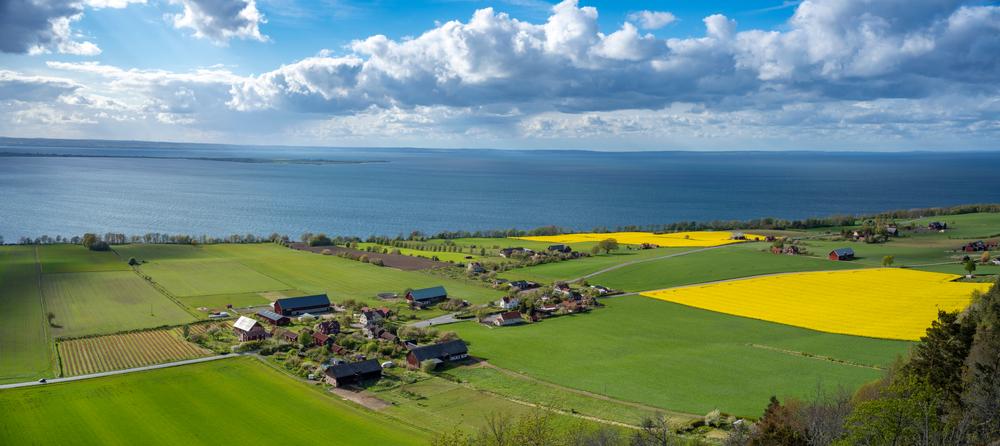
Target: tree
x: 984, y: 259
x: 888, y: 261
x: 132, y: 261
x: 970, y: 266
x: 778, y: 426
x: 320, y: 240
x: 305, y: 337
x: 89, y: 239
x: 939, y: 358
x: 595, y: 250
x: 608, y: 245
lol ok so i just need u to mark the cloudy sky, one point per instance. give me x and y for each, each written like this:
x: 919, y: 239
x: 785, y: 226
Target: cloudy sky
x: 606, y: 75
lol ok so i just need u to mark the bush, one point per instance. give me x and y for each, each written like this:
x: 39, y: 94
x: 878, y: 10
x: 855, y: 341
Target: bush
x: 363, y: 258
x: 100, y: 246
x: 377, y: 262
x: 249, y: 346
x: 428, y: 366
x: 320, y: 240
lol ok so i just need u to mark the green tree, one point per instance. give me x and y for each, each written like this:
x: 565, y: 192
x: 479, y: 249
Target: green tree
x: 888, y: 261
x: 939, y: 357
x: 970, y: 266
x: 608, y: 245
x: 305, y: 337
x: 88, y: 240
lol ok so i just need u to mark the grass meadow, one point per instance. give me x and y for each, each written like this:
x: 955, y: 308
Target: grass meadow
x: 230, y: 401
x: 681, y: 358
x: 106, y: 302
x: 25, y: 349
x: 727, y: 262
x: 77, y: 259
x: 572, y: 269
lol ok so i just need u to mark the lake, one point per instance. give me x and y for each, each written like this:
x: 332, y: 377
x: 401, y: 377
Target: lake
x: 135, y: 188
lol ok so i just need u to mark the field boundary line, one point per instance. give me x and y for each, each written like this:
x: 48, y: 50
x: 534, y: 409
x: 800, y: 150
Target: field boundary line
x: 587, y: 393
x: 162, y: 290
x: 815, y: 356
x: 635, y: 262
x: 55, y: 362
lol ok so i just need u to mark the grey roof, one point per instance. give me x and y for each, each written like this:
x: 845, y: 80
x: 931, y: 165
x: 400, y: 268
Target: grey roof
x: 353, y: 369
x: 843, y: 251
x: 290, y: 303
x: 450, y: 348
x: 268, y: 314
x: 429, y: 293
x: 244, y: 323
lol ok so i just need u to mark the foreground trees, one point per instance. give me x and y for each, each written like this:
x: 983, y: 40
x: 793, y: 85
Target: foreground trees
x: 947, y: 393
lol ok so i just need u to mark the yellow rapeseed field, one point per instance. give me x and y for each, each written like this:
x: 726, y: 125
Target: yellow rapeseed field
x: 887, y: 303
x: 673, y: 239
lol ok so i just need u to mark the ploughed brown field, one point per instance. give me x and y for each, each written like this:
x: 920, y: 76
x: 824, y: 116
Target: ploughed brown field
x: 406, y: 263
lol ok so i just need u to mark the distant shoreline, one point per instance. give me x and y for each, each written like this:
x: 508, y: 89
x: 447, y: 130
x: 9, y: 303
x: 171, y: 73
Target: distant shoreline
x: 190, y: 158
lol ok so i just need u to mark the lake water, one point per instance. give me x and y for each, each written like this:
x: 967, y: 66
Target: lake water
x: 433, y: 190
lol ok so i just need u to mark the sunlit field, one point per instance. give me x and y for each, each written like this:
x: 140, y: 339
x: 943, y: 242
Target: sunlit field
x: 888, y: 303
x: 673, y: 239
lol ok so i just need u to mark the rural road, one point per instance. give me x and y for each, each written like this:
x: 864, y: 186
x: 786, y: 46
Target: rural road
x: 116, y: 372
x: 440, y: 320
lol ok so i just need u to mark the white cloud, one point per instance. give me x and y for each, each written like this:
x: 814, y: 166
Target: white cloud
x: 112, y: 4
x: 221, y: 20
x: 652, y: 19
x: 20, y: 87
x: 41, y: 26
x: 840, y: 71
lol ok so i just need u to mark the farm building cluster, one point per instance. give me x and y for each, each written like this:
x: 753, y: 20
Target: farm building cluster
x: 313, y: 325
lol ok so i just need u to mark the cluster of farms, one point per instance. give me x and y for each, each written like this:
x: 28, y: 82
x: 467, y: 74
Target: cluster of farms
x: 400, y: 341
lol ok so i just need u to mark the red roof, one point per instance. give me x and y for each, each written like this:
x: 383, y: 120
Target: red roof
x: 511, y: 315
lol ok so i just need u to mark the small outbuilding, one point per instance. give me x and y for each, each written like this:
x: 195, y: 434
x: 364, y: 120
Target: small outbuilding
x: 444, y: 352
x: 247, y: 329
x: 330, y: 327
x: 285, y: 335
x: 842, y: 254
x: 341, y: 375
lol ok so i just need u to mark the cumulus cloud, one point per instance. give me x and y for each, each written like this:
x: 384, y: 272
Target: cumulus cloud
x: 837, y: 70
x: 20, y: 87
x: 38, y: 26
x: 652, y: 19
x: 221, y: 20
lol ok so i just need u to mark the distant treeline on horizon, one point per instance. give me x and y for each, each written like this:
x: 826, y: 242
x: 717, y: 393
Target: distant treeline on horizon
x: 715, y: 225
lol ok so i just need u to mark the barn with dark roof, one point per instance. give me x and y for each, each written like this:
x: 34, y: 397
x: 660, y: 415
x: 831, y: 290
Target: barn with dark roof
x: 340, y: 375
x: 426, y: 296
x: 294, y: 306
x: 444, y: 352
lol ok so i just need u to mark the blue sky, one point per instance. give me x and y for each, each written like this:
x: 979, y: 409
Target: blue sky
x: 607, y: 75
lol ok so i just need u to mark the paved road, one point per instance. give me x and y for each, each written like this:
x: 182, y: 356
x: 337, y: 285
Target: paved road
x: 117, y: 372
x: 440, y: 320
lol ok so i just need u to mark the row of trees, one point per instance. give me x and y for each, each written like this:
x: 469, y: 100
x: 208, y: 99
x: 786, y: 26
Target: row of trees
x: 946, y: 393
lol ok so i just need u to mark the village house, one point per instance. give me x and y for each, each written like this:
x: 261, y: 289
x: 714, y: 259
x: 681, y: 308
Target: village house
x: 508, y: 303
x: 370, y: 317
x: 601, y: 290
x: 475, y: 268
x: 247, y: 329
x: 648, y: 246
x: 285, y: 335
x: 387, y: 335
x: 426, y: 297
x: 510, y: 252
x: 330, y: 327
x: 294, y: 306
x: 842, y: 254
x: 937, y: 226
x: 340, y: 375
x: 522, y: 285
x: 979, y: 245
x: 508, y: 318
x: 562, y: 289
x: 444, y: 352
x: 273, y: 318
x: 322, y: 339
x: 787, y: 249
x: 565, y: 249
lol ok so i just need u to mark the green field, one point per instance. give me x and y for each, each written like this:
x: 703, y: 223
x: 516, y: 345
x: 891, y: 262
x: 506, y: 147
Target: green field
x: 573, y: 269
x: 25, y: 349
x: 215, y: 276
x: 727, y: 262
x: 106, y: 302
x: 76, y: 258
x: 680, y: 358
x: 231, y: 401
x: 457, y: 257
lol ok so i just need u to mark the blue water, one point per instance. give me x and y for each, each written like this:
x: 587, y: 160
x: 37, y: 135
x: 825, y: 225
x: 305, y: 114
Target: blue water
x: 433, y: 190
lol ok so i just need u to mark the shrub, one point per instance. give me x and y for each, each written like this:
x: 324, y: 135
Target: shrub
x: 363, y: 258
x: 377, y: 262
x: 320, y: 240
x: 428, y: 366
x: 249, y: 346
x: 100, y: 246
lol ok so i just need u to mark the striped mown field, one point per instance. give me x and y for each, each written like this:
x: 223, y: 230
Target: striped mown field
x: 125, y: 351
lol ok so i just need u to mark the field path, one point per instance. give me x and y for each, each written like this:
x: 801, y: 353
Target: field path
x: 117, y: 372
x: 598, y: 396
x: 633, y: 262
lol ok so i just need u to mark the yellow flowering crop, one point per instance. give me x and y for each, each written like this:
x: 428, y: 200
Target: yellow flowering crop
x: 887, y: 303
x: 672, y: 239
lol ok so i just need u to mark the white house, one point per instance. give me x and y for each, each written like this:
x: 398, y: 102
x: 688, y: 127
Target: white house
x: 508, y: 303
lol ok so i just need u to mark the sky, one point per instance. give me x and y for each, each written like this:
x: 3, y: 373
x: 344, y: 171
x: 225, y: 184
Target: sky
x: 867, y: 75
